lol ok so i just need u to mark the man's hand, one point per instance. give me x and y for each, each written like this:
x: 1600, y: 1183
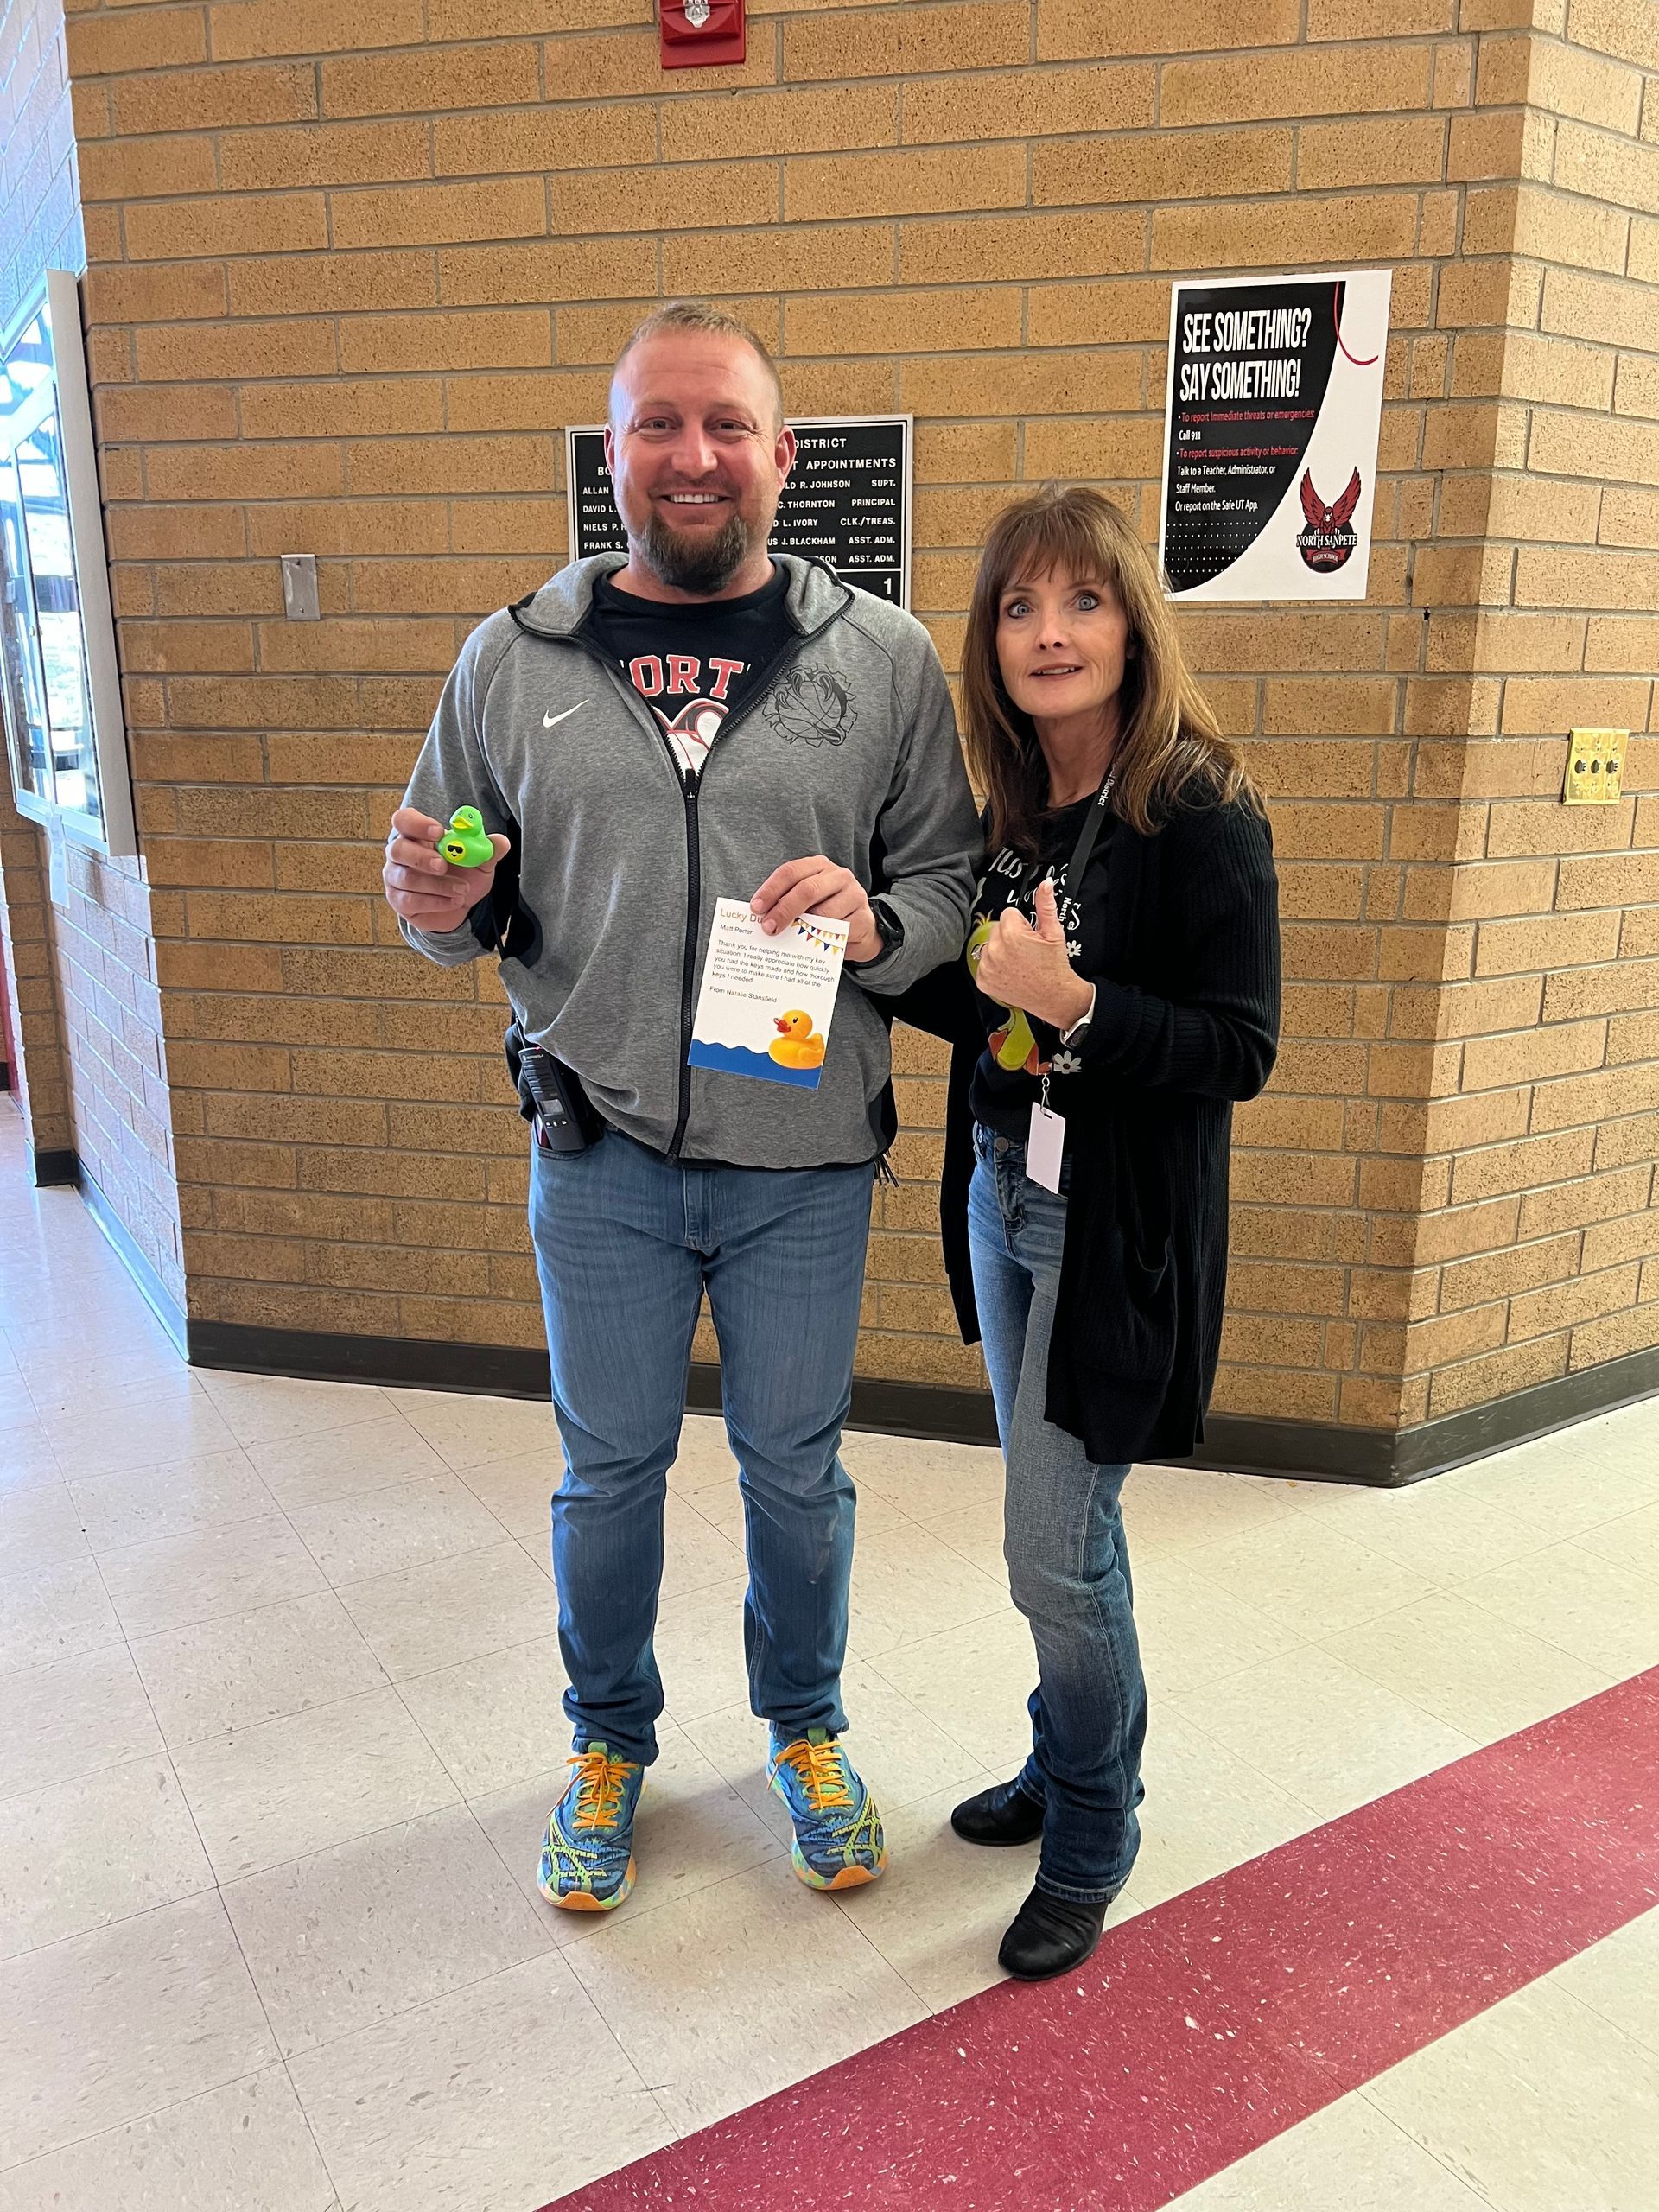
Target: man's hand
x: 424, y: 887
x: 1030, y: 968
x: 815, y: 886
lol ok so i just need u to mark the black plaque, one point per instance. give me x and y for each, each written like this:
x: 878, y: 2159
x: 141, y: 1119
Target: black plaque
x: 847, y: 500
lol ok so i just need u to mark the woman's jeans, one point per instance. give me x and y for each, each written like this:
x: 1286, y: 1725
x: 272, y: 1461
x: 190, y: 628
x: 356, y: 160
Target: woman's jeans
x: 626, y: 1244
x: 1068, y: 1568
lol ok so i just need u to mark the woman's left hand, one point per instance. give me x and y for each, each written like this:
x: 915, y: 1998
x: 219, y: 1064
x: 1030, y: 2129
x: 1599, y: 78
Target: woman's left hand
x: 1029, y: 968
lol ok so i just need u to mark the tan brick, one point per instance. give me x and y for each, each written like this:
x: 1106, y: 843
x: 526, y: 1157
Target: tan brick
x: 895, y: 321
x: 140, y: 169
x: 276, y: 222
x: 1026, y: 383
x: 1031, y: 103
x: 991, y: 248
x: 1593, y: 1198
x: 1536, y: 703
x: 916, y: 181
x: 1405, y: 149
x: 609, y: 64
x: 333, y: 153
x: 209, y: 99
x: 133, y: 411
x: 354, y: 283
x: 1633, y: 1037
x: 1607, y: 1243
x: 1603, y: 1096
x: 1523, y: 367
x: 542, y: 139
x: 1624, y: 29
x: 422, y: 468
x: 439, y: 213
x: 184, y: 352
x: 1314, y: 81
x: 1508, y: 1273
x: 155, y: 293
x: 1614, y: 1336
x: 1109, y: 451
x: 156, y: 38
x: 733, y: 127
x: 1193, y: 164
x: 1550, y: 942
x: 1545, y: 225
x: 1628, y: 879
x: 831, y: 257
x: 402, y: 83
x: 237, y: 472
x: 504, y: 338
x: 1246, y: 234
x: 1111, y: 311
x: 250, y: 29
x: 341, y: 410
x: 1067, y: 30
x: 1498, y: 1375
x: 952, y: 453
x: 910, y: 41
x: 1607, y: 169
x: 545, y: 399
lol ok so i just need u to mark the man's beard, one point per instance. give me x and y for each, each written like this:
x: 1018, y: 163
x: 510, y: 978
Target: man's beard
x: 701, y: 563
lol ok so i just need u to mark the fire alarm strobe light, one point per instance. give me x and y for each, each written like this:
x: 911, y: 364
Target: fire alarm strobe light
x: 702, y: 34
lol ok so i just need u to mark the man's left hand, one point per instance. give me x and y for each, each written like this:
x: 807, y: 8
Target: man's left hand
x: 817, y: 886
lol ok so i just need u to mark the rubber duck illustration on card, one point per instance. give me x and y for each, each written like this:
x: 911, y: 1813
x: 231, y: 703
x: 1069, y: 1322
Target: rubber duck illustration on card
x: 797, y: 1044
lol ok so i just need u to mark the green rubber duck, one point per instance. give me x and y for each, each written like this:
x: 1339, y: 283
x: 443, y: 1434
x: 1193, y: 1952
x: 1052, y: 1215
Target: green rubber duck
x: 467, y: 843
x: 1010, y: 1047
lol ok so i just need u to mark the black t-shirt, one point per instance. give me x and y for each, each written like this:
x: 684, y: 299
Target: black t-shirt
x: 1002, y: 1098
x: 693, y: 663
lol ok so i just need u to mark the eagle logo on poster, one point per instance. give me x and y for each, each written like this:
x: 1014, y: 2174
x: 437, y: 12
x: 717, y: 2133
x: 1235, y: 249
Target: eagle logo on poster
x: 1330, y: 536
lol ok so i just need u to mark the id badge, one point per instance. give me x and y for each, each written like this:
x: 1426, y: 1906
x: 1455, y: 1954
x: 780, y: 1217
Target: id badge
x: 1046, y: 1146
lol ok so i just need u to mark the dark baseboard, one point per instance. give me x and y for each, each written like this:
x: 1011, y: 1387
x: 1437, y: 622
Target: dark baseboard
x: 412, y: 1362
x: 1316, y: 1452
x: 47, y: 1169
x: 1390, y: 1457
x: 156, y: 1295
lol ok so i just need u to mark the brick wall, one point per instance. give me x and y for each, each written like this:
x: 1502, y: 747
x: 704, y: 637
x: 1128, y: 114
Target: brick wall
x: 352, y: 271
x: 93, y: 1078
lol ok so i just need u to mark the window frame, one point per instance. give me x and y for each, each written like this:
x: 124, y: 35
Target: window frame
x: 64, y: 397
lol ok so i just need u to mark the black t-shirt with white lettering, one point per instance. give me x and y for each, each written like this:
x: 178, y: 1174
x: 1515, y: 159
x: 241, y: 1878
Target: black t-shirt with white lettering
x: 693, y: 663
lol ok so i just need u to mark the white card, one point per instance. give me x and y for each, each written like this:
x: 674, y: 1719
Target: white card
x: 1046, y: 1147
x: 767, y: 1002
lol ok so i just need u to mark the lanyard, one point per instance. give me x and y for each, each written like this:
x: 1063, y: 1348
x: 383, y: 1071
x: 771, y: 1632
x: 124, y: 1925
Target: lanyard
x: 1071, y: 874
x: 1073, y: 871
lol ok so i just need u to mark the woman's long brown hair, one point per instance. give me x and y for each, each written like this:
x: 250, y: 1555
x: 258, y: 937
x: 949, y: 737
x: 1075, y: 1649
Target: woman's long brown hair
x: 1171, y: 749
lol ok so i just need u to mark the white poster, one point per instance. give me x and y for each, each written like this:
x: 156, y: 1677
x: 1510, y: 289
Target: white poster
x: 1270, y: 429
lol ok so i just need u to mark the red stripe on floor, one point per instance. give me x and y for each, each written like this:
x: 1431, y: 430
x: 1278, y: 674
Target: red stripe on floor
x: 1203, y: 2028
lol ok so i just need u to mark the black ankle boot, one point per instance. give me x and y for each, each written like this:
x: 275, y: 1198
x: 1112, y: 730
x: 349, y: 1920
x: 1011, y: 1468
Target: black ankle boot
x: 1050, y: 1935
x: 1003, y: 1814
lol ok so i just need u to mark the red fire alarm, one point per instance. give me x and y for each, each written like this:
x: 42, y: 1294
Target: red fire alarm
x: 702, y: 34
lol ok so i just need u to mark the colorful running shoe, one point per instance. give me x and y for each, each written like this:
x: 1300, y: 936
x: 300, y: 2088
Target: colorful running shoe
x: 588, y: 1855
x: 838, y: 1838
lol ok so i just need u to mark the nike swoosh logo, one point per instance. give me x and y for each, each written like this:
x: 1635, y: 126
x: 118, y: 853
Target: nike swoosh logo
x: 547, y: 720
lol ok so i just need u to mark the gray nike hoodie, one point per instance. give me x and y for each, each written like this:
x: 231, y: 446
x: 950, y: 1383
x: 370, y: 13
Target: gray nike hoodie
x: 847, y: 746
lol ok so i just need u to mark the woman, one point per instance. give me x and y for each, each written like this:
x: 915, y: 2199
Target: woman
x: 1126, y: 951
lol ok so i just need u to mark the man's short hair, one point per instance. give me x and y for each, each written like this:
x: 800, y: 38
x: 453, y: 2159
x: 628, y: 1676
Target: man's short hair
x: 698, y: 314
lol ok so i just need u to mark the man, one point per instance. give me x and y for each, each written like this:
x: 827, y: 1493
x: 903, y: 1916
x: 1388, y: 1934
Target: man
x: 642, y: 737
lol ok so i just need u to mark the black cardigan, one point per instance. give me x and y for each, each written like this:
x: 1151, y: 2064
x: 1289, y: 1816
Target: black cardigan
x: 1186, y: 1021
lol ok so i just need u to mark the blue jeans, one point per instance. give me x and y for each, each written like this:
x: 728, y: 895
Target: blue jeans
x: 625, y: 1244
x: 1063, y: 1539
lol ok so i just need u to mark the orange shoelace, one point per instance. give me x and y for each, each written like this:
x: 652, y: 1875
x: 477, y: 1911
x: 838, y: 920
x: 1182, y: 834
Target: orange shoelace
x: 821, y: 1773
x: 598, y: 1802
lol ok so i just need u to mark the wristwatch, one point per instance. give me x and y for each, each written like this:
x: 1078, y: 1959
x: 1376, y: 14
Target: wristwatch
x: 1070, y: 1036
x: 888, y: 927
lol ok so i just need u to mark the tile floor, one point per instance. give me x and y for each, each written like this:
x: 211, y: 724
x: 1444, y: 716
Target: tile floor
x: 279, y: 1725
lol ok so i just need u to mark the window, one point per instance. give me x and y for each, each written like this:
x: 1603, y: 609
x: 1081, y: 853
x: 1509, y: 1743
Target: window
x: 58, y: 676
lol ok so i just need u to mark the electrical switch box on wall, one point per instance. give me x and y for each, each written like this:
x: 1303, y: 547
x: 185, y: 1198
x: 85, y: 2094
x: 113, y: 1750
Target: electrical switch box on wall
x: 1595, y: 767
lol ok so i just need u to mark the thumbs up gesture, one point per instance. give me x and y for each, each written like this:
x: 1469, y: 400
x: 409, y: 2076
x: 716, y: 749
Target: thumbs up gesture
x: 1029, y: 968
